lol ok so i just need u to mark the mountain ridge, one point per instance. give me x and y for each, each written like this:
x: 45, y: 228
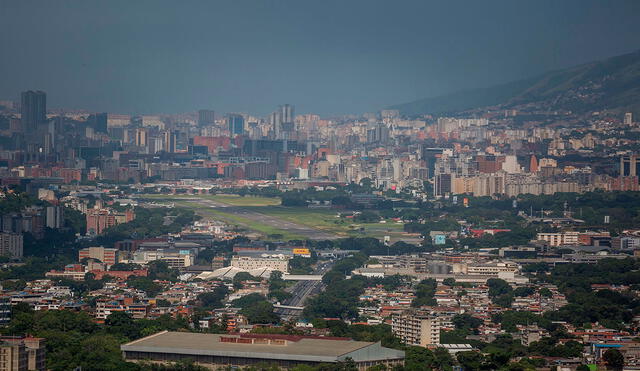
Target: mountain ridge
x: 611, y: 84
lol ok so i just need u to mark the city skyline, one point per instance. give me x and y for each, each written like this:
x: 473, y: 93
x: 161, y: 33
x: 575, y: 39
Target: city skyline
x: 153, y: 57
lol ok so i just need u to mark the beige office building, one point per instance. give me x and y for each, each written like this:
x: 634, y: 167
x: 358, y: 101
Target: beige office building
x: 416, y: 328
x: 275, y: 262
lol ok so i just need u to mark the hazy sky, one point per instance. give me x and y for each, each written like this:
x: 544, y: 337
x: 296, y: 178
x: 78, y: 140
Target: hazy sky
x: 323, y: 56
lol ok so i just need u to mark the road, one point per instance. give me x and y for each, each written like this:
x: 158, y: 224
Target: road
x: 301, y: 291
x: 310, y: 233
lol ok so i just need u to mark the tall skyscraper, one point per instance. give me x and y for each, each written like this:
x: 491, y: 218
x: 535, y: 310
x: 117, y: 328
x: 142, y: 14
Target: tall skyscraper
x: 141, y: 137
x: 98, y: 121
x: 236, y: 124
x: 275, y: 119
x: 630, y: 165
x: 628, y: 118
x: 171, y: 141
x: 206, y: 117
x: 287, y: 113
x: 33, y: 110
x: 533, y: 164
x: 282, y: 121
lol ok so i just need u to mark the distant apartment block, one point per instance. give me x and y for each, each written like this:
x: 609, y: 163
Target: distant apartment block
x: 5, y: 309
x: 22, y: 353
x: 416, y: 328
x: 54, y: 218
x: 175, y: 258
x: 275, y: 262
x: 11, y: 245
x: 559, y: 238
x: 105, y: 255
x: 100, y: 219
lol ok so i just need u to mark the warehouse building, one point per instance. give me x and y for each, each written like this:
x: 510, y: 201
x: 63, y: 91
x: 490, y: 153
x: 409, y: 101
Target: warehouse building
x: 242, y: 350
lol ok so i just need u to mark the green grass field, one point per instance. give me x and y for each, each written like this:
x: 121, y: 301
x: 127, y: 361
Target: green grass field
x: 228, y: 199
x: 327, y: 220
x: 239, y: 221
x: 321, y: 219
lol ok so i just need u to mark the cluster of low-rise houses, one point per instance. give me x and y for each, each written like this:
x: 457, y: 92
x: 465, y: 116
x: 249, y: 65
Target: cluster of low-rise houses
x: 461, y: 286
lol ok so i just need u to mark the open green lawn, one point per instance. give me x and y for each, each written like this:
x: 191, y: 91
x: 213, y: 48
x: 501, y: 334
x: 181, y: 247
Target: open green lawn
x: 233, y: 200
x: 241, y: 222
x: 317, y: 218
x: 322, y: 219
x: 236, y: 200
x: 327, y: 220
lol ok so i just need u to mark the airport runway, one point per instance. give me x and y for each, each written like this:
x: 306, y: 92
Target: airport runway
x: 308, y: 232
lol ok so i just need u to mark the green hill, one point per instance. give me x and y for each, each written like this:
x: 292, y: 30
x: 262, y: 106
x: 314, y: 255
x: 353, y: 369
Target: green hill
x: 612, y: 85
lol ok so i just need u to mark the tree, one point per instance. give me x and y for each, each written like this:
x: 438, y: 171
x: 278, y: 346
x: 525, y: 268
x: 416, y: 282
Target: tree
x: 417, y: 358
x: 163, y: 303
x: 545, y: 292
x: 260, y: 312
x: 504, y: 301
x: 425, y: 292
x: 248, y: 300
x: 471, y: 360
x: 122, y: 323
x: 498, y: 287
x: 614, y: 359
x: 213, y: 299
x: 443, y: 358
x: 145, y: 284
x: 449, y: 281
x: 101, y: 352
x: 367, y: 217
x: 241, y: 277
x: 524, y: 291
x: 466, y: 322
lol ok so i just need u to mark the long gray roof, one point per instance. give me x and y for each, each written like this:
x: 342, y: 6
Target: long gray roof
x: 305, y: 349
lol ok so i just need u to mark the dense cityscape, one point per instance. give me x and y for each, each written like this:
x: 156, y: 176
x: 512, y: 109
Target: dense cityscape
x: 479, y: 231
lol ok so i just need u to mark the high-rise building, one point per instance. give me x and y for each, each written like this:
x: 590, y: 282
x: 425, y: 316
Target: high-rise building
x: 14, y: 356
x: 443, y: 184
x: 206, y: 117
x: 416, y: 328
x: 378, y: 134
x: 5, y: 309
x: 533, y: 164
x: 287, y: 113
x: 22, y: 353
x: 628, y: 118
x: 54, y: 218
x: 236, y: 124
x: 33, y: 110
x: 630, y: 165
x: 98, y: 121
x: 11, y: 245
x: 288, y: 120
x: 171, y: 141
x: 141, y: 137
x: 100, y: 219
x: 105, y: 255
x: 282, y: 121
x: 275, y: 120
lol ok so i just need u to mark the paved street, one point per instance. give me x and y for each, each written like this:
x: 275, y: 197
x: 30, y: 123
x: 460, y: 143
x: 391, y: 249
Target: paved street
x: 301, y: 291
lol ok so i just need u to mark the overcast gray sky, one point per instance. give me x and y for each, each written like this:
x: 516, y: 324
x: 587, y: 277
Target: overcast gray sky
x: 328, y: 57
